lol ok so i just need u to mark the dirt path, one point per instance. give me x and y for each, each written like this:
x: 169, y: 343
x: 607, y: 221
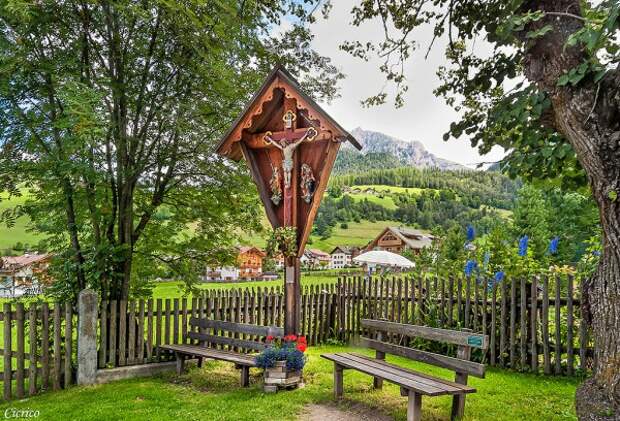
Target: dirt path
x: 353, y: 412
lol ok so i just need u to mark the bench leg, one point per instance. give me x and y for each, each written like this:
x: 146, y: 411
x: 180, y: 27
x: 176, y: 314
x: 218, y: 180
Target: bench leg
x: 338, y: 381
x: 245, y: 376
x: 200, y: 362
x: 414, y: 406
x: 458, y: 407
x: 377, y: 382
x: 180, y: 363
x: 458, y: 401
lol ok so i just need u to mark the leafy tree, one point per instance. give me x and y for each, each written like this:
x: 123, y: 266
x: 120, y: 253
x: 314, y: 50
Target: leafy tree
x: 269, y: 264
x: 530, y: 217
x: 548, y: 93
x: 109, y: 114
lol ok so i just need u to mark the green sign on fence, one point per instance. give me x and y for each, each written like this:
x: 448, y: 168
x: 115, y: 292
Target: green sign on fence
x: 474, y: 341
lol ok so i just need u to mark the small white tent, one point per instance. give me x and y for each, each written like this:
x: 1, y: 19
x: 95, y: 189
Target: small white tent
x: 384, y: 258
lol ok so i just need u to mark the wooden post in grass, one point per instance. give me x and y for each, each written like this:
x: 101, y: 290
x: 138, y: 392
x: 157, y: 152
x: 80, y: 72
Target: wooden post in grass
x: 290, y: 145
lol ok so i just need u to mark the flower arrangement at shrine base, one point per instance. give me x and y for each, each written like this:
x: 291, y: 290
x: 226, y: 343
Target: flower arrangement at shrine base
x: 283, y: 361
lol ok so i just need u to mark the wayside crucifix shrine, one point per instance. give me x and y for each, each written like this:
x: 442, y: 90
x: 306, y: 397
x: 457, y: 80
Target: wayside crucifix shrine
x: 290, y: 145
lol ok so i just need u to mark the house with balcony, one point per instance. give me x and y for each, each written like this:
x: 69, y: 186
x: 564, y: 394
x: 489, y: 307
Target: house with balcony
x: 399, y: 239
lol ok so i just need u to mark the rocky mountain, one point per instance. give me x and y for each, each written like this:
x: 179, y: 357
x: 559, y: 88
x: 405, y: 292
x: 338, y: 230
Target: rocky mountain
x: 387, y: 151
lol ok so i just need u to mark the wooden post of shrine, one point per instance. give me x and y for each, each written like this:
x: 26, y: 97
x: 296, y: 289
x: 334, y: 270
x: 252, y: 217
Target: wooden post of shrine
x: 290, y: 145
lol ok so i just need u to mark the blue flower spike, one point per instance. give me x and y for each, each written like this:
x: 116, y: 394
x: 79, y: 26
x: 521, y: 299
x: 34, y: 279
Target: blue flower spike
x: 523, y: 242
x: 471, y: 233
x: 553, y: 245
x: 470, y: 266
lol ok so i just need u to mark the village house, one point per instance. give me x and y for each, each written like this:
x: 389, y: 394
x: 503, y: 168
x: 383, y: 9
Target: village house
x: 25, y: 274
x: 250, y: 262
x: 399, y: 239
x: 224, y: 273
x: 315, y: 259
x: 249, y: 266
x: 26, y: 269
x: 342, y: 256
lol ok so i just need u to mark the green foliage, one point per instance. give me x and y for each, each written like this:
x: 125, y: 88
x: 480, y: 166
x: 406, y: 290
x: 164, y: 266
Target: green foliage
x: 498, y: 107
x: 269, y: 264
x: 530, y: 217
x: 349, y: 161
x: 110, y: 113
x: 282, y: 240
x: 424, y: 198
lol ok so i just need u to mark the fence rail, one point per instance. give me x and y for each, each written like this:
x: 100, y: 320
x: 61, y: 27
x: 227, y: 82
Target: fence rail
x: 533, y: 324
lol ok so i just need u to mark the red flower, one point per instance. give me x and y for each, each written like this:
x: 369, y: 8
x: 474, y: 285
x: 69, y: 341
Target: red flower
x: 302, y: 340
x: 302, y: 347
x: 269, y: 338
x: 290, y: 338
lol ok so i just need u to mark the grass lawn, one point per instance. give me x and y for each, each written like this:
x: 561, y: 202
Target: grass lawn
x: 391, y: 189
x: 174, y: 289
x: 18, y: 233
x: 385, y: 201
x: 357, y: 234
x: 212, y: 393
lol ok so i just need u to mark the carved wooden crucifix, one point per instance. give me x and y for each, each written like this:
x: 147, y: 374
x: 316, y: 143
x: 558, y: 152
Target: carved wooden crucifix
x: 288, y: 146
x: 284, y: 129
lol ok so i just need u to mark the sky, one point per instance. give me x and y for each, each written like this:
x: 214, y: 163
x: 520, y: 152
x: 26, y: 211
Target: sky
x: 424, y: 117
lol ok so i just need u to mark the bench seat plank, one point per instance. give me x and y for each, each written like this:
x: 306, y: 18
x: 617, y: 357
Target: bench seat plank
x: 199, y: 351
x: 452, y: 387
x: 403, y: 379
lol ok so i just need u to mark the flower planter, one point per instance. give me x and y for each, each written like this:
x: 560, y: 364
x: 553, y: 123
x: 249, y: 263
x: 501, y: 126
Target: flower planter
x: 278, y: 377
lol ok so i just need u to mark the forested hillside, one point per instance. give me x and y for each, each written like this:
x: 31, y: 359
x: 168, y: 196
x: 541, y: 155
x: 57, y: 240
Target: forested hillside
x: 426, y: 198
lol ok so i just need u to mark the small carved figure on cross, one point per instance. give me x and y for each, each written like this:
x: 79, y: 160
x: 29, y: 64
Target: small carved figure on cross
x: 288, y: 149
x: 288, y: 119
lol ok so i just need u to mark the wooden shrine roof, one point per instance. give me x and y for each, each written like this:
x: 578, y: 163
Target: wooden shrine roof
x: 253, y: 119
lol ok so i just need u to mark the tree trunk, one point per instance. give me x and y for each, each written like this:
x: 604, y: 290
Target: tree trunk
x: 73, y: 234
x: 588, y: 115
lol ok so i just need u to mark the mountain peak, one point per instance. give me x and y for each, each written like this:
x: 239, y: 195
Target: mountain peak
x: 406, y: 153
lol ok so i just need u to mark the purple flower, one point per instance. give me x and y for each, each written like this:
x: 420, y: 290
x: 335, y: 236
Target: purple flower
x: 471, y: 233
x: 553, y: 245
x: 470, y: 266
x: 523, y: 241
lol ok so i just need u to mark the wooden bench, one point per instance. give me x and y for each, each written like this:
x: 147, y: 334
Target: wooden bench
x: 211, y: 345
x: 414, y: 384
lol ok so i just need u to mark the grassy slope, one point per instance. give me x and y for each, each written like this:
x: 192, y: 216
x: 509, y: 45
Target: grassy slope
x: 358, y: 234
x: 18, y: 233
x: 213, y: 393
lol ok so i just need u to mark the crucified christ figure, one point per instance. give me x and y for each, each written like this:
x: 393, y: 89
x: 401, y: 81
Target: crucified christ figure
x: 288, y: 149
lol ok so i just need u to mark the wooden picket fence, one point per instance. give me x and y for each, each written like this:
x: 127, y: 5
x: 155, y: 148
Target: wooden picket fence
x: 38, y: 348
x: 533, y: 324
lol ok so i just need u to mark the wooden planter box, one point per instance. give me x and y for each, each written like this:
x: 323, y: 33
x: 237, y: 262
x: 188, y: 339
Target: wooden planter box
x: 279, y: 377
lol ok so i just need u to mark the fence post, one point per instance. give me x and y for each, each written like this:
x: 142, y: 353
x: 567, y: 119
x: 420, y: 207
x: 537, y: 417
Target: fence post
x: 87, y: 337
